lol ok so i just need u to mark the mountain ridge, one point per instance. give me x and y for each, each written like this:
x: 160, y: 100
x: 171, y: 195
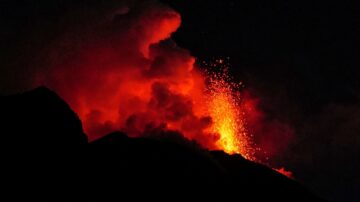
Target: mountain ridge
x: 46, y: 148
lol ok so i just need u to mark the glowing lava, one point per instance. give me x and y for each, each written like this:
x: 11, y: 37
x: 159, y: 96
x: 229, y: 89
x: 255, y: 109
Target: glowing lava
x: 282, y: 171
x: 224, y: 106
x: 224, y: 116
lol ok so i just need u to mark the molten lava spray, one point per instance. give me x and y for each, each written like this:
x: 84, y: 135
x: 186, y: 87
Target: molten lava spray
x: 225, y: 118
x: 226, y: 109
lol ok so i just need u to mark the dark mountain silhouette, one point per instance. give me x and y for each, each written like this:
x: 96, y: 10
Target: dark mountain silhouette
x: 39, y: 117
x: 46, y: 156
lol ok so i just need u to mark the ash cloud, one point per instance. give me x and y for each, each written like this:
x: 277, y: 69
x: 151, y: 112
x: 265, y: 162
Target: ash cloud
x: 116, y: 66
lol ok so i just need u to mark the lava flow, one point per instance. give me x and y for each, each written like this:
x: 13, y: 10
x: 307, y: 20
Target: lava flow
x: 127, y: 74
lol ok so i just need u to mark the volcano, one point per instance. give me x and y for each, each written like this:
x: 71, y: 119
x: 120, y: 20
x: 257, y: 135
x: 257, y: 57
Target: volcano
x: 47, y: 156
x: 177, y: 96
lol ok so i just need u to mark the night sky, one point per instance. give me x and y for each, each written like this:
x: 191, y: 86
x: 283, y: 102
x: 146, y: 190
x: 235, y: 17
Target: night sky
x: 300, y: 58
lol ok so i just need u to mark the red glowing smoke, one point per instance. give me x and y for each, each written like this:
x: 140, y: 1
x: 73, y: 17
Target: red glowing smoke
x: 125, y: 73
x: 130, y: 76
x: 270, y: 135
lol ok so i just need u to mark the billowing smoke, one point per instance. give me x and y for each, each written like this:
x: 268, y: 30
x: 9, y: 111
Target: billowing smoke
x: 117, y: 67
x: 126, y: 74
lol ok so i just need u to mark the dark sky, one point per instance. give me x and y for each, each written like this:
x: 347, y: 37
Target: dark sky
x: 313, y: 42
x: 301, y: 58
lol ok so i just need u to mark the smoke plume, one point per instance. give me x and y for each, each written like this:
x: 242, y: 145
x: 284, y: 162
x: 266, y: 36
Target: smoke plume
x: 116, y: 65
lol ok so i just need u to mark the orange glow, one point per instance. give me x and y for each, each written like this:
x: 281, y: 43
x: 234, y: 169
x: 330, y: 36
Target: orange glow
x: 224, y: 122
x: 228, y: 119
x: 134, y: 78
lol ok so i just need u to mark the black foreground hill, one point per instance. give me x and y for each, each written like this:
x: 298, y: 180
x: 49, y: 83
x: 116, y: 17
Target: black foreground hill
x: 46, y: 156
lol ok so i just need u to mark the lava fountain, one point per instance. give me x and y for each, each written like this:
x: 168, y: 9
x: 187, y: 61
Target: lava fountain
x: 226, y: 109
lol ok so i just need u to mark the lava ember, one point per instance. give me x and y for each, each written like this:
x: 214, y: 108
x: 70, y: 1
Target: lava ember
x: 225, y: 108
